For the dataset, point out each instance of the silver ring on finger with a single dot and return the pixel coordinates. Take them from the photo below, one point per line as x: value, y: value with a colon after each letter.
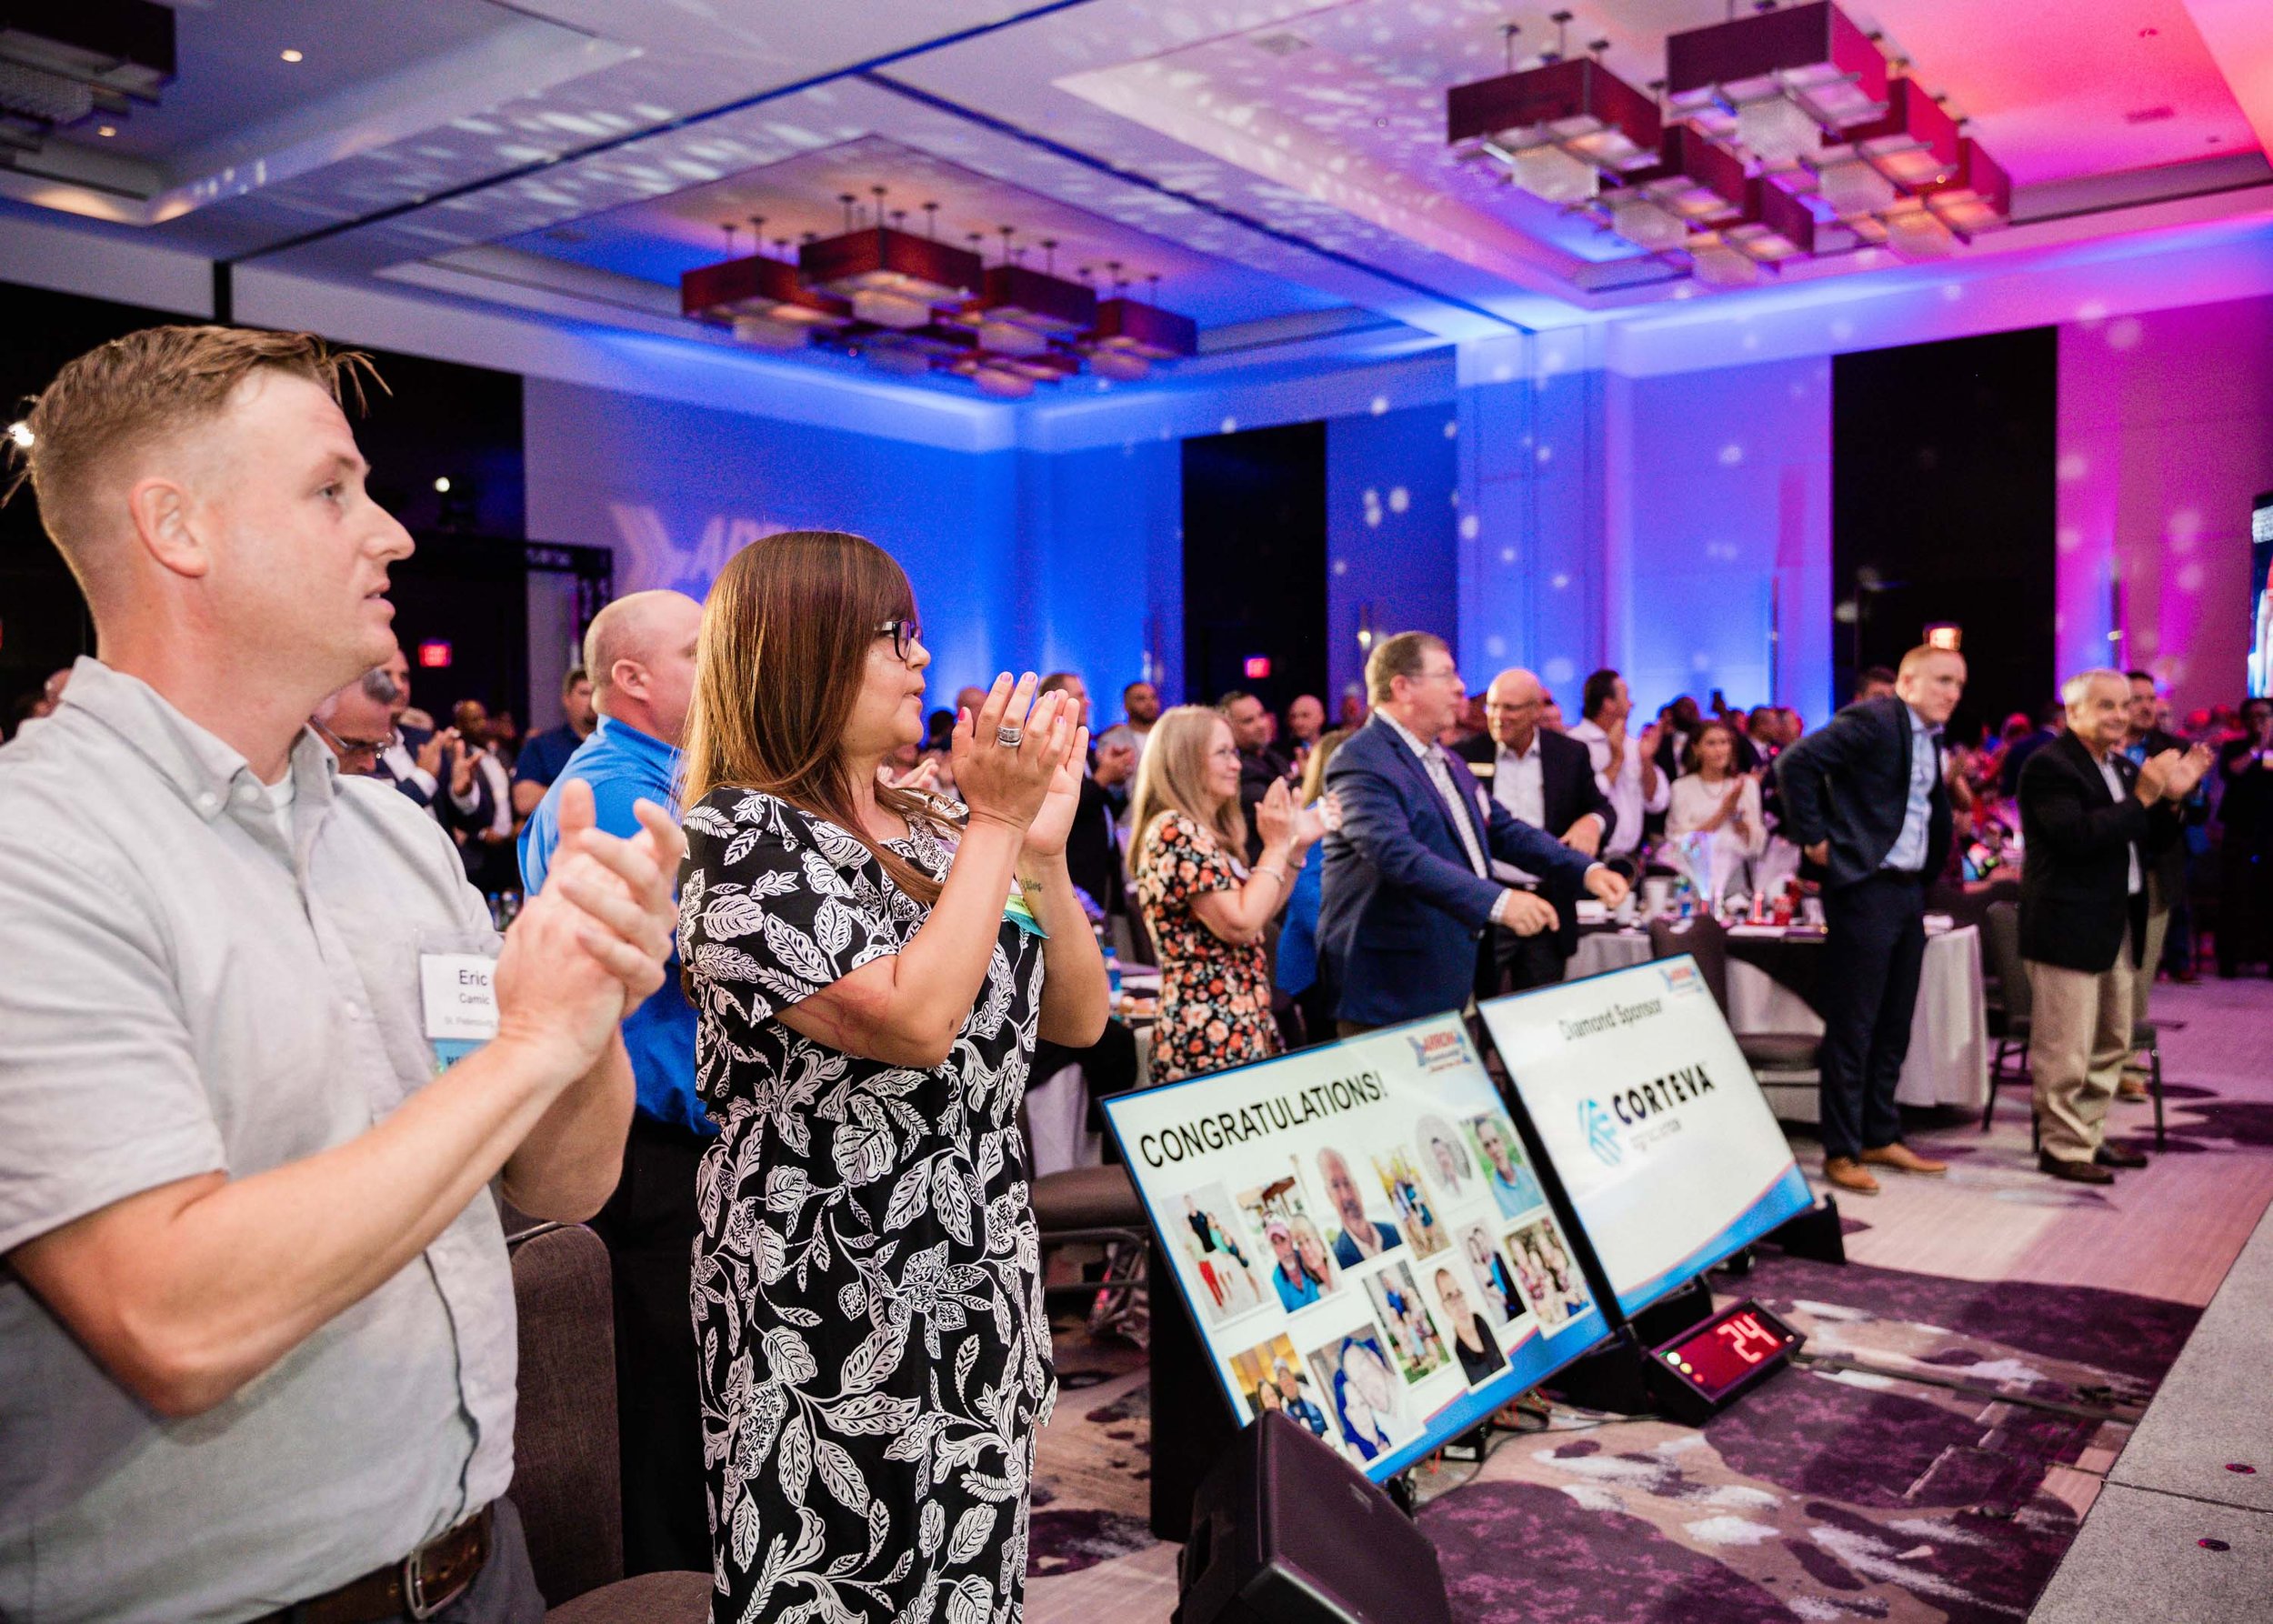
x: 1009, y: 738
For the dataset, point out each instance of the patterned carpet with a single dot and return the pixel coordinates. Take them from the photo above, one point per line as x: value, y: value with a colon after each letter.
x: 1826, y: 1495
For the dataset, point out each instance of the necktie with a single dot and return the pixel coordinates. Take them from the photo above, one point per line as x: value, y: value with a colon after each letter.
x: 1441, y: 776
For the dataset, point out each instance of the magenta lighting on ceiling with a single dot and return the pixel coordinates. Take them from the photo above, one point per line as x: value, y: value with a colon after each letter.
x: 1782, y: 135
x: 912, y: 304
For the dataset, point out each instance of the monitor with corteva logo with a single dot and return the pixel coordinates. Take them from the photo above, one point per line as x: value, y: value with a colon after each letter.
x: 1651, y: 1119
x: 1361, y: 1238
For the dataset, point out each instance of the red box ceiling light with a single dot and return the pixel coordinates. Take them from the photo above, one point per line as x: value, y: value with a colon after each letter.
x: 1773, y: 80
x: 1915, y: 147
x: 763, y: 300
x: 893, y: 278
x: 1130, y: 335
x: 1553, y: 128
x: 1693, y: 184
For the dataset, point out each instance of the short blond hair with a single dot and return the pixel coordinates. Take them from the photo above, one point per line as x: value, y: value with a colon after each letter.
x: 1401, y: 655
x: 137, y: 389
x: 1916, y: 658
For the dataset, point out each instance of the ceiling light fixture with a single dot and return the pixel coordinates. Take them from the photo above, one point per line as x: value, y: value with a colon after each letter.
x: 1556, y: 128
x: 892, y: 278
x: 289, y: 54
x: 1775, y: 80
x: 1978, y: 197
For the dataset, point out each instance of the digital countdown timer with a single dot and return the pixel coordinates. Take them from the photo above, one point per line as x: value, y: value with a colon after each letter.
x: 1706, y: 1369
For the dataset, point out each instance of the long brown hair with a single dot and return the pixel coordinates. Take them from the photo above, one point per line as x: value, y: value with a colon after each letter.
x: 785, y: 636
x: 1172, y: 777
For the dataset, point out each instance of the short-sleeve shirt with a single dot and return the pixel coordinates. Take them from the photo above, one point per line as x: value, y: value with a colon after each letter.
x: 186, y: 993
x: 1215, y: 996
x: 624, y: 766
x: 546, y: 754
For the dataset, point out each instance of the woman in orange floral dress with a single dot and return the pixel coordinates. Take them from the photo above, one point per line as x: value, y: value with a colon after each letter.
x: 1205, y: 909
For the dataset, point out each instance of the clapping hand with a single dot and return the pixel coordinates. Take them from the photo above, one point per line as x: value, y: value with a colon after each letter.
x: 2155, y: 774
x: 920, y: 779
x: 1007, y: 781
x: 1046, y: 836
x: 2187, y: 773
x: 1275, y: 816
x: 593, y: 943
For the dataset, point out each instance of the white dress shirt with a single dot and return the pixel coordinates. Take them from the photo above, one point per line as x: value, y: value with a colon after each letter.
x: 1625, y: 792
x: 1432, y: 758
x: 2115, y: 789
x: 1518, y: 784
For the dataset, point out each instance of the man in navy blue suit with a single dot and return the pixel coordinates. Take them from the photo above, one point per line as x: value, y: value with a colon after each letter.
x: 1864, y: 797
x: 1408, y: 891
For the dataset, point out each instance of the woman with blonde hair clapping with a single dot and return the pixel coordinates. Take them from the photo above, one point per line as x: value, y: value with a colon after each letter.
x: 1205, y: 909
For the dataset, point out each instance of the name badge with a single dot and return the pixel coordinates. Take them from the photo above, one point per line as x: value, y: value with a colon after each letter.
x: 460, y: 994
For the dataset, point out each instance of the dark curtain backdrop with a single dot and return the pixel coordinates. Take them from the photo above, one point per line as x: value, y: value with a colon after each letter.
x: 432, y: 420
x: 1942, y: 468
x: 1255, y: 562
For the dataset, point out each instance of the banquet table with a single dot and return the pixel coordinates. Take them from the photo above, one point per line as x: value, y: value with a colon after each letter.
x: 1947, y: 1064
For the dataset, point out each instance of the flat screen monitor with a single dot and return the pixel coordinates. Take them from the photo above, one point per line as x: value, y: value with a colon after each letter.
x: 1360, y: 1239
x: 2260, y: 598
x: 1649, y: 1115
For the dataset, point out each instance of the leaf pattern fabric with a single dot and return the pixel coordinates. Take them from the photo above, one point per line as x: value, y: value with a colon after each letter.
x: 875, y: 1360
x: 1215, y: 996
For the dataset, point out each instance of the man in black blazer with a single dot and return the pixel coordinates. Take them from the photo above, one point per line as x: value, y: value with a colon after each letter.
x: 1547, y: 781
x: 2092, y: 824
x: 1864, y: 797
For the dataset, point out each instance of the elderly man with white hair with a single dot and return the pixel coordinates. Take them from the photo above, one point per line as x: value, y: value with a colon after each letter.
x: 2092, y: 822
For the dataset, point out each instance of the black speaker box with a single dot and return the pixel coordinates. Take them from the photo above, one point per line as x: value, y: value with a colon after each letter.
x: 1287, y: 1531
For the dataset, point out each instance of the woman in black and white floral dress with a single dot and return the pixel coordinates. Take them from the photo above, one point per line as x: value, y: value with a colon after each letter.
x: 872, y: 969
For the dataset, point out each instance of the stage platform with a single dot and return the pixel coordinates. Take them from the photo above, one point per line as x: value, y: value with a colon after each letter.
x: 2177, y: 1493
x: 2016, y: 1330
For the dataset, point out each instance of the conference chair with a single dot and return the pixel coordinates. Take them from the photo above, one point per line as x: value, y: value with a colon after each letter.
x: 1093, y: 1206
x: 2007, y: 1013
x: 2146, y: 1039
x: 1775, y: 1058
x: 567, y: 1477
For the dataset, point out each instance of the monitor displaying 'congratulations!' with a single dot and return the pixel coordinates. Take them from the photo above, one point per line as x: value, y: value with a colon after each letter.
x: 1361, y: 1238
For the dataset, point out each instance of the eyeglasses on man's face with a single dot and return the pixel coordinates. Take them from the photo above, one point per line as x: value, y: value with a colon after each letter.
x: 373, y: 748
x: 905, y: 635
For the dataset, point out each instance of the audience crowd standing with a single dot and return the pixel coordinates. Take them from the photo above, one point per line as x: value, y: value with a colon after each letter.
x: 872, y: 897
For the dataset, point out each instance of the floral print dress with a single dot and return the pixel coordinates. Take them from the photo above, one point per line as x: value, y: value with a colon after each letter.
x: 1215, y: 998
x: 875, y: 1360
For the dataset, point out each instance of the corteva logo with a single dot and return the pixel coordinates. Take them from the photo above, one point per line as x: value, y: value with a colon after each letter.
x: 1645, y: 1100
x: 1601, y: 1132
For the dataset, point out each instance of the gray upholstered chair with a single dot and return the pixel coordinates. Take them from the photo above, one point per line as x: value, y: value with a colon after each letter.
x: 566, y: 1478
x: 1787, y: 1057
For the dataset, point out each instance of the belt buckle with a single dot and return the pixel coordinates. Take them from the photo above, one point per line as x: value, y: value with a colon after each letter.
x: 415, y: 1601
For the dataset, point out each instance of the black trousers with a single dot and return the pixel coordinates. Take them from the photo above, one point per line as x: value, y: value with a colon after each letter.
x: 650, y: 1225
x: 1871, y: 956
x: 1507, y: 962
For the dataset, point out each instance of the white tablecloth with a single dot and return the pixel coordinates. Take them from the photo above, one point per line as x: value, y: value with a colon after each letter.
x: 1949, y: 1059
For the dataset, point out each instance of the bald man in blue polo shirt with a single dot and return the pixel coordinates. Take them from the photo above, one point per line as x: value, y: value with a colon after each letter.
x: 640, y: 652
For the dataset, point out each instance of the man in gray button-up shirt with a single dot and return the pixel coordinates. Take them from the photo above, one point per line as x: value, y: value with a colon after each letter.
x: 257, y: 1335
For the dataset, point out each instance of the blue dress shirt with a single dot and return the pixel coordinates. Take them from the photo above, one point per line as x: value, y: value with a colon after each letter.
x: 1907, y: 854
x: 624, y: 765
x: 544, y: 755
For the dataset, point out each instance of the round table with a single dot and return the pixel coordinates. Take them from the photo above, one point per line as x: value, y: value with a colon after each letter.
x: 1947, y: 1064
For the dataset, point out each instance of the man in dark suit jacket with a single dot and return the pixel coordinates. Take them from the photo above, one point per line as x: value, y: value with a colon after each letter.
x: 1864, y: 797
x: 2092, y: 824
x: 1407, y: 891
x: 1547, y: 781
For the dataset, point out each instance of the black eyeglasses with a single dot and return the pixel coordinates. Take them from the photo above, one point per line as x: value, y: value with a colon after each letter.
x: 373, y: 748
x: 904, y: 636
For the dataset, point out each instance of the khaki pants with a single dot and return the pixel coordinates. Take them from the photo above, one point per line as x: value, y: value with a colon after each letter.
x: 2157, y: 932
x: 2079, y: 1034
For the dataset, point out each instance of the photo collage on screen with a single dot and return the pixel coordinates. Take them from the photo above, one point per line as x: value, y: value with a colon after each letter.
x: 1384, y: 1280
